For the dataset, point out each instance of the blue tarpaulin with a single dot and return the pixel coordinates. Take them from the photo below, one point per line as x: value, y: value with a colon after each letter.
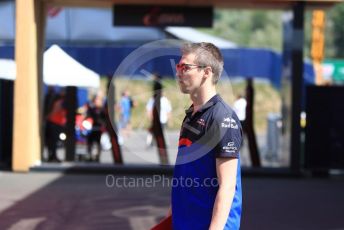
x: 239, y: 62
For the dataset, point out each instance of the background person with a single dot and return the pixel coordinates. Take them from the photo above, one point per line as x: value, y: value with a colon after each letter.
x: 239, y: 107
x: 55, y: 125
x: 125, y: 106
x: 165, y: 115
x: 96, y: 112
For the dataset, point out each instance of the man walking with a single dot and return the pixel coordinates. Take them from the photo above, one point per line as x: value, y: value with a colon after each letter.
x: 206, y: 188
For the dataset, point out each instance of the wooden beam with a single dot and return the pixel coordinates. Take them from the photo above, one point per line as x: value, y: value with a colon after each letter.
x: 243, y: 4
x: 28, y: 56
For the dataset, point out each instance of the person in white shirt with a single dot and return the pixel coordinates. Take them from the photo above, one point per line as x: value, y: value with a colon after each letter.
x: 239, y: 107
x: 165, y: 114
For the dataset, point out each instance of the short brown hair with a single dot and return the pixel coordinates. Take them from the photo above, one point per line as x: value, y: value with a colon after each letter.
x: 206, y: 54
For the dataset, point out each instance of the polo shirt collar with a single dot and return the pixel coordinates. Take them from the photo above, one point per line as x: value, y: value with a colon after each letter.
x: 212, y: 101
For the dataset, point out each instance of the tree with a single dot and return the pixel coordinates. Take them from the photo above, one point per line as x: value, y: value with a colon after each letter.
x: 250, y: 28
x: 336, y: 15
x: 263, y: 29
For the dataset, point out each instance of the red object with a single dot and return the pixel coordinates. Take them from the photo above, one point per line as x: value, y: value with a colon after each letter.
x: 165, y: 224
x: 184, y: 142
x: 58, y: 114
x: 54, y: 11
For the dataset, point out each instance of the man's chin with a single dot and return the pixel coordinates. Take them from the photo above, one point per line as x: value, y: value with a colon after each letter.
x: 184, y: 91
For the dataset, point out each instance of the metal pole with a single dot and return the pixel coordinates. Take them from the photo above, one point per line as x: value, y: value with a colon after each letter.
x: 297, y: 84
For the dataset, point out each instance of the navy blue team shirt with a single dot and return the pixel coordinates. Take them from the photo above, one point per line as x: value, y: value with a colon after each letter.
x: 213, y: 131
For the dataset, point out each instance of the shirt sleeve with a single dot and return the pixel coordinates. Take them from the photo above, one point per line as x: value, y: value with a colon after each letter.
x: 168, y: 106
x: 229, y: 134
x: 149, y: 105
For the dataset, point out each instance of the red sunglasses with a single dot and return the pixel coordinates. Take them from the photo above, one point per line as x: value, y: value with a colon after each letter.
x: 183, y: 67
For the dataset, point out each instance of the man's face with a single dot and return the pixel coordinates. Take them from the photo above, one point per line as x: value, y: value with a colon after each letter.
x: 189, y: 75
x: 98, y: 102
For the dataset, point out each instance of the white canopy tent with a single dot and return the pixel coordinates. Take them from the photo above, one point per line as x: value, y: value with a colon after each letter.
x: 193, y: 35
x: 7, y: 69
x: 59, y: 69
x: 62, y: 70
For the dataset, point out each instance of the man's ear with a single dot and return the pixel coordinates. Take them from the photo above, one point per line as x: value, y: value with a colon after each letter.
x: 207, y: 72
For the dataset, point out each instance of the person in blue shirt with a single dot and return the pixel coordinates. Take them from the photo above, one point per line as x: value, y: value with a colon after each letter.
x: 125, y: 106
x: 206, y: 185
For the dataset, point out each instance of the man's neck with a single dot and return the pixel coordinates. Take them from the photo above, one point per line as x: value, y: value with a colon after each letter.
x: 201, y: 97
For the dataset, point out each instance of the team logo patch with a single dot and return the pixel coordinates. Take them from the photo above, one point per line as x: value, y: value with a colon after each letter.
x: 230, y: 148
x: 229, y: 123
x: 201, y: 122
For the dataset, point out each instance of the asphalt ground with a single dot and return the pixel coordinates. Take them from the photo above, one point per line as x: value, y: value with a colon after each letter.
x: 45, y: 200
x: 108, y: 196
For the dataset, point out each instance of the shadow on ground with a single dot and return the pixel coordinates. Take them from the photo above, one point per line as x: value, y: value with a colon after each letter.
x: 94, y: 201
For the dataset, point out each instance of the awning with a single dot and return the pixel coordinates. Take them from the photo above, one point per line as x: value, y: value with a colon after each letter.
x: 193, y: 35
x: 59, y: 69
x: 7, y: 69
x: 62, y: 70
